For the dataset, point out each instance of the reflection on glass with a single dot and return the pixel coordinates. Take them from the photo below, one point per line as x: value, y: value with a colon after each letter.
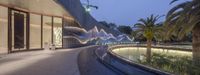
x: 35, y: 31
x: 3, y: 29
x: 57, y: 34
x: 47, y: 31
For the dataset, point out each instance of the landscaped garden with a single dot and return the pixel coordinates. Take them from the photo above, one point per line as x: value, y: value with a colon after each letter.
x: 182, y: 25
x: 168, y: 60
x: 172, y: 45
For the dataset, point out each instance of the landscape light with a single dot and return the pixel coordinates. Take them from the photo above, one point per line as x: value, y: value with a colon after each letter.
x: 87, y: 9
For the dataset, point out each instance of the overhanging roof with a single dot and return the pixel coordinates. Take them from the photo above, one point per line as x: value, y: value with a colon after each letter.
x: 45, y: 7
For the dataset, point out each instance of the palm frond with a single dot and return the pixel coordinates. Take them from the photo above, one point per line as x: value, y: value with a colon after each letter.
x: 148, y: 26
x: 182, y: 18
x: 178, y: 7
x: 173, y: 1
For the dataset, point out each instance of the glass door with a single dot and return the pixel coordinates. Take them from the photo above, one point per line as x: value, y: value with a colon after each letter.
x: 19, y: 30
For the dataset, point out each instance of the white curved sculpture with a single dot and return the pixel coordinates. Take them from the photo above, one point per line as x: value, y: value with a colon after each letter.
x: 93, y: 34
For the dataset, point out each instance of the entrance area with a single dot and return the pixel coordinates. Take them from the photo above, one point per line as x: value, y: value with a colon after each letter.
x: 19, y: 30
x: 24, y: 31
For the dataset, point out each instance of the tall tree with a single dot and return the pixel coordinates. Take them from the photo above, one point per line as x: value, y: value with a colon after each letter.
x: 184, y: 18
x: 108, y: 25
x: 148, y: 27
x: 125, y: 29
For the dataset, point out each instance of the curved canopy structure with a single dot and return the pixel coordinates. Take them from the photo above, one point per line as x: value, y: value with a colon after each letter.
x: 45, y: 7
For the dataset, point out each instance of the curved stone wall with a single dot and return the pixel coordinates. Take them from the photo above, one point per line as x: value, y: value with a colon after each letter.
x: 106, y: 56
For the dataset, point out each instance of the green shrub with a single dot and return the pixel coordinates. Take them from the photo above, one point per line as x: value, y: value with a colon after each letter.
x: 180, y: 65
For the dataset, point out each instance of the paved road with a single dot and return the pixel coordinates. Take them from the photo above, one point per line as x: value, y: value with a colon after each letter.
x: 89, y: 65
x: 59, y: 62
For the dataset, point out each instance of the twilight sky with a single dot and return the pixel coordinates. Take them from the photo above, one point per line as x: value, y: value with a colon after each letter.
x: 127, y: 12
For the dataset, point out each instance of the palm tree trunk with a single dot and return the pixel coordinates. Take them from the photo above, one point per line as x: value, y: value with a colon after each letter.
x: 196, y: 45
x: 148, y: 51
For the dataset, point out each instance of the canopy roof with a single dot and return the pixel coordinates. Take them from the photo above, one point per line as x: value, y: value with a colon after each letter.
x: 45, y: 7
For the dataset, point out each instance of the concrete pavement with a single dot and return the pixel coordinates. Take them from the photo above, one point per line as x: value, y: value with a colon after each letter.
x: 59, y: 62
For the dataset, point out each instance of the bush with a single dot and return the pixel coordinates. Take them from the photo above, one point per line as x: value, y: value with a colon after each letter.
x: 180, y: 65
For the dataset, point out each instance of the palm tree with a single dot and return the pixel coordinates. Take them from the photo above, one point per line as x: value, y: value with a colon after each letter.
x: 148, y: 28
x: 183, y: 19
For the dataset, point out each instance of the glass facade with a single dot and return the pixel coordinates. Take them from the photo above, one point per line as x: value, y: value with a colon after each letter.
x: 57, y: 32
x: 35, y: 31
x: 3, y: 29
x: 21, y: 30
x: 47, y: 31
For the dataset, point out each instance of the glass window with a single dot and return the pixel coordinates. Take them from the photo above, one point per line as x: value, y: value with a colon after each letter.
x: 19, y: 31
x: 3, y: 29
x: 35, y: 31
x: 47, y: 31
x: 57, y: 32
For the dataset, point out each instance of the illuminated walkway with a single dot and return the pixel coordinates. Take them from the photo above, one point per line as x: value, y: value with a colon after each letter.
x: 60, y: 62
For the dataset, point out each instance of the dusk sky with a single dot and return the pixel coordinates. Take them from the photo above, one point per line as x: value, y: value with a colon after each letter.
x: 127, y: 12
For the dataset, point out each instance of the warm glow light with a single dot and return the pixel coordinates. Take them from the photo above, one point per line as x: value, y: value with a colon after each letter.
x: 3, y: 20
x: 133, y: 51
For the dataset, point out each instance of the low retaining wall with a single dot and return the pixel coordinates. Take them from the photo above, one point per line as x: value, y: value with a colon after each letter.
x: 124, y: 66
x: 179, y: 49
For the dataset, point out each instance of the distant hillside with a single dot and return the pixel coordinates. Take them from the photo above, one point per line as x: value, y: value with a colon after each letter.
x: 76, y: 9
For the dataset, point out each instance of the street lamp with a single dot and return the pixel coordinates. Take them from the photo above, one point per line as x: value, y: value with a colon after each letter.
x: 87, y: 9
x: 88, y: 6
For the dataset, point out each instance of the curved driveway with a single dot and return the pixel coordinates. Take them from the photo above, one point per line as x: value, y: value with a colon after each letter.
x: 89, y: 64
